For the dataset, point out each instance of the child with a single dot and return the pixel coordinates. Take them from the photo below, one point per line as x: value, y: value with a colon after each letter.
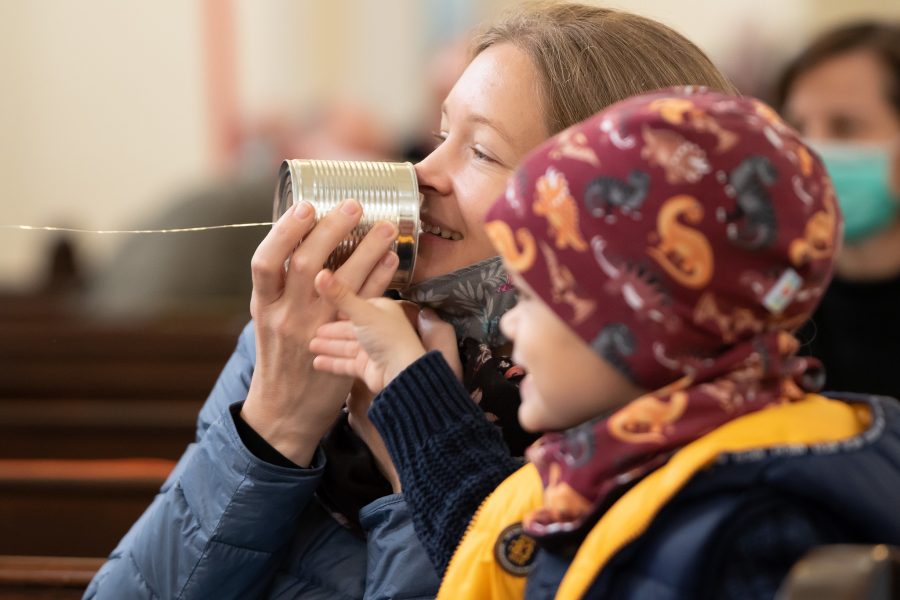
x: 664, y: 250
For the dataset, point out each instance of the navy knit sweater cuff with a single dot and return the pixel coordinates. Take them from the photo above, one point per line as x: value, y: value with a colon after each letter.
x: 448, y: 455
x: 423, y: 400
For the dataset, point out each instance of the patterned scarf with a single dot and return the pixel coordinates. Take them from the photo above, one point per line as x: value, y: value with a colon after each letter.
x: 472, y: 299
x: 684, y: 235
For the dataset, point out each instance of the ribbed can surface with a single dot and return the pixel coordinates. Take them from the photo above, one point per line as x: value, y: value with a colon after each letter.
x: 386, y: 191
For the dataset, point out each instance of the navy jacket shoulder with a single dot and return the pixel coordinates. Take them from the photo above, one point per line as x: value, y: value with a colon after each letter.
x: 736, y: 529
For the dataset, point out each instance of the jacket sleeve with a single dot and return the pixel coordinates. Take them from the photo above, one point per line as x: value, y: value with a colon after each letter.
x: 448, y: 455
x: 221, y: 521
x: 396, y: 565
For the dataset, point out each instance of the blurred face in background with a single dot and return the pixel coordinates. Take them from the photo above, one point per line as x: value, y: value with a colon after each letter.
x: 491, y: 118
x: 843, y: 99
x: 841, y: 105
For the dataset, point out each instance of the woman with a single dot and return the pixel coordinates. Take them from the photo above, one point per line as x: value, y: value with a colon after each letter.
x: 238, y: 518
x: 843, y: 94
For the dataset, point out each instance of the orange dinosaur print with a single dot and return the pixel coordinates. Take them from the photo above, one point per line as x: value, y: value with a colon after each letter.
x: 818, y: 239
x: 679, y: 111
x: 561, y: 500
x: 803, y: 158
x: 782, y: 137
x: 574, y: 145
x: 768, y: 114
x: 560, y: 209
x: 501, y: 235
x: 682, y: 251
x: 724, y: 392
x: 683, y: 161
x: 564, y: 285
x: 787, y: 343
x: 730, y: 327
x: 648, y: 419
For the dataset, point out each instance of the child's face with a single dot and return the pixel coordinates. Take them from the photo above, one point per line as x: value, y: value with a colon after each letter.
x: 567, y: 383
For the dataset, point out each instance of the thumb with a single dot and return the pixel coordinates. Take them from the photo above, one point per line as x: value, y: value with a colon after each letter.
x: 438, y: 334
x: 336, y: 292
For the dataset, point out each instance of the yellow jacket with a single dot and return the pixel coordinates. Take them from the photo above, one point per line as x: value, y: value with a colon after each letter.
x: 491, y: 560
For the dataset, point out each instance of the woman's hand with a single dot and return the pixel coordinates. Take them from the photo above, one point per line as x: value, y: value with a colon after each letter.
x: 381, y: 338
x: 289, y: 403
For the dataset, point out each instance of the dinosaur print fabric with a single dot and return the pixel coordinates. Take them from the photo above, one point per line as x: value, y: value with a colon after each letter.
x: 684, y: 235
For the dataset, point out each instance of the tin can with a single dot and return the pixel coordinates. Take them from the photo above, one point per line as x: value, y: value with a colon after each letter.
x: 387, y: 191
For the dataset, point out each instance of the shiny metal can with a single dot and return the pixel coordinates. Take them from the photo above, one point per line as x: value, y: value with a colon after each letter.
x: 387, y: 191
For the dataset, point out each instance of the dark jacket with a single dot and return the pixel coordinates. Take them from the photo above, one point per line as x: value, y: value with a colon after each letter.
x: 730, y: 528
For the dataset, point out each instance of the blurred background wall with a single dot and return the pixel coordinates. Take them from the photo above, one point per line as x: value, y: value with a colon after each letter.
x: 112, y: 113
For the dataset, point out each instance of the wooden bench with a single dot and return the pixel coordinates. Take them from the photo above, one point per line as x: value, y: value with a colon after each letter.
x: 116, y: 427
x: 73, y: 507
x: 71, y: 388
x: 37, y: 577
x: 77, y: 359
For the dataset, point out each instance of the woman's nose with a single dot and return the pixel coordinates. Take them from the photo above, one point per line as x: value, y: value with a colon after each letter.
x: 432, y: 173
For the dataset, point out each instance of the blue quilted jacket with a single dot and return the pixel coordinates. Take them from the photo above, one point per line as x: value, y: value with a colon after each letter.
x: 228, y: 525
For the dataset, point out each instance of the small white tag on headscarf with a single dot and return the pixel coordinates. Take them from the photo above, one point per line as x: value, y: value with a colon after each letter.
x: 783, y: 292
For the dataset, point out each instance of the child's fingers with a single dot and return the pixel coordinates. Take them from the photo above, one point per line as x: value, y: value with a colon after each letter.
x: 338, y: 330
x: 439, y: 335
x: 323, y: 346
x: 334, y: 290
x: 335, y: 366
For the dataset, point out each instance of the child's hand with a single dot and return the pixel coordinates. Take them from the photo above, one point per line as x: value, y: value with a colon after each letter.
x: 375, y: 344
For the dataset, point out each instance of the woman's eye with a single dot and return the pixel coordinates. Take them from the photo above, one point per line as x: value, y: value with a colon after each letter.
x: 845, y: 127
x: 477, y: 153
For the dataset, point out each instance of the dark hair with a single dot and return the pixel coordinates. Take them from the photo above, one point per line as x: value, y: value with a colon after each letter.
x: 882, y: 40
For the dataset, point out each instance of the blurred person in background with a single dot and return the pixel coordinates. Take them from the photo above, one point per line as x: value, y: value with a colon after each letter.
x: 843, y: 94
x: 258, y: 506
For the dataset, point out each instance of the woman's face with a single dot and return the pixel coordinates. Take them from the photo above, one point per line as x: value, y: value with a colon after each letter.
x: 843, y: 99
x: 567, y: 383
x: 490, y: 120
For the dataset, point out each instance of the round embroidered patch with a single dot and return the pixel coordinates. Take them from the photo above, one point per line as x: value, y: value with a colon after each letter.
x: 515, y: 550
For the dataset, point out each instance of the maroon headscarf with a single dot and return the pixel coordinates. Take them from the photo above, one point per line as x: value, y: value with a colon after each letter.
x: 684, y: 235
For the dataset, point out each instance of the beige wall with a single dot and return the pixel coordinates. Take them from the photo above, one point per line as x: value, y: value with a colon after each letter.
x: 103, y: 113
x: 101, y: 116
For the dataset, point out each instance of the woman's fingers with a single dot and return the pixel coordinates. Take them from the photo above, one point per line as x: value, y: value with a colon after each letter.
x: 367, y: 261
x: 308, y: 258
x: 267, y: 265
x: 380, y: 277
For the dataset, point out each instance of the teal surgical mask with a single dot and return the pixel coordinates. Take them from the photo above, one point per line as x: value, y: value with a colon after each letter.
x: 861, y: 177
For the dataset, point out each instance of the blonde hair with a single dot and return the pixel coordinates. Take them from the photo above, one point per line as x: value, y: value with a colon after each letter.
x: 590, y: 57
